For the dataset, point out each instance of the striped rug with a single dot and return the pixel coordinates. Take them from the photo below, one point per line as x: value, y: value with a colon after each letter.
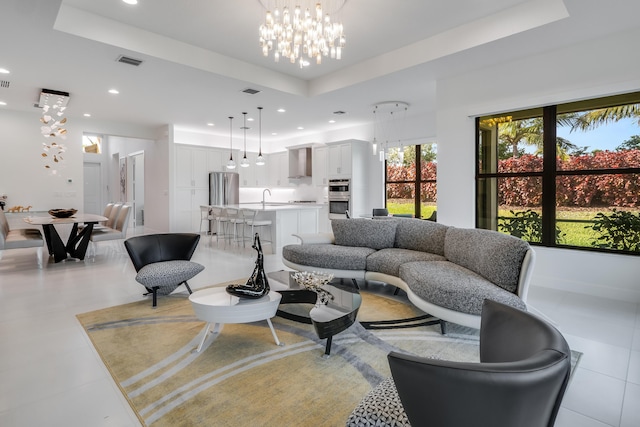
x: 241, y: 378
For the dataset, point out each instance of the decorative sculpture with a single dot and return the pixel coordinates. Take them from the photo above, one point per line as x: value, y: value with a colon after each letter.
x: 257, y: 286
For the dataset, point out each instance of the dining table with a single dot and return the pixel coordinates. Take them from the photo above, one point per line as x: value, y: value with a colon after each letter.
x: 78, y: 241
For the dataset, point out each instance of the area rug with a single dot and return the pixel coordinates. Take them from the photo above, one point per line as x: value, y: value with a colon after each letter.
x: 241, y: 377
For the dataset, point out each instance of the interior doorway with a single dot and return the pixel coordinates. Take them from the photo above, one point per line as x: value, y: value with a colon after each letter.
x: 136, y: 186
x: 92, y: 188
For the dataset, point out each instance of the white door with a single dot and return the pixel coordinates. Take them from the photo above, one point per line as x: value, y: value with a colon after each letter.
x: 137, y: 188
x: 93, y: 188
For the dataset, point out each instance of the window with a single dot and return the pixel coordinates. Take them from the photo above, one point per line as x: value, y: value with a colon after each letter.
x: 411, y: 185
x: 563, y: 175
x: 92, y: 144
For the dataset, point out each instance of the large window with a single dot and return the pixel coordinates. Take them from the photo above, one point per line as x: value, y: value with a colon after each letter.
x: 563, y: 175
x: 411, y: 184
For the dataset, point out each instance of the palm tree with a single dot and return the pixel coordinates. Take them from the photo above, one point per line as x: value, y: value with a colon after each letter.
x: 591, y: 119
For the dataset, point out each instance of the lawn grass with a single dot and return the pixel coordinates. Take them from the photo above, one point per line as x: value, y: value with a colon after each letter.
x: 400, y: 207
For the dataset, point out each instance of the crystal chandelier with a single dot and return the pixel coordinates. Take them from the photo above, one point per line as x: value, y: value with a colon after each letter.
x: 302, y: 35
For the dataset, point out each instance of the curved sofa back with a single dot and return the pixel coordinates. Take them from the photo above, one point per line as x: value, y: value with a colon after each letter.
x: 495, y: 256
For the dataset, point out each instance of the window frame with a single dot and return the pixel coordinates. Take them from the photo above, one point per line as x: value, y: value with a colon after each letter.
x: 417, y: 183
x: 550, y: 171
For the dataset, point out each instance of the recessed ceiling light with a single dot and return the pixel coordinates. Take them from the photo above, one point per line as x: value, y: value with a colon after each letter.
x: 87, y: 115
x: 332, y: 121
x: 250, y: 119
x: 300, y: 128
x: 274, y: 133
x: 281, y: 110
x: 3, y: 103
x: 4, y: 71
x: 114, y: 91
x: 210, y: 124
x: 130, y: 1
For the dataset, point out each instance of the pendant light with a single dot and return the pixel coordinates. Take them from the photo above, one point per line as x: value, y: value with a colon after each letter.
x: 260, y: 159
x: 244, y: 162
x: 231, y: 164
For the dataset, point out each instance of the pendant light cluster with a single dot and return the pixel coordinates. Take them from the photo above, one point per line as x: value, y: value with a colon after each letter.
x: 260, y: 161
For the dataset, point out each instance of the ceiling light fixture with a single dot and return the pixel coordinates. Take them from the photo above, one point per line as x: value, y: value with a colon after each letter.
x: 292, y: 33
x: 231, y: 164
x: 260, y: 159
x: 389, y: 118
x: 244, y: 162
x: 114, y: 91
x: 130, y: 1
x: 4, y: 71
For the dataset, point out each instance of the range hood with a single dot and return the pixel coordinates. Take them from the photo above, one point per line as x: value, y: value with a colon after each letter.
x: 300, y: 162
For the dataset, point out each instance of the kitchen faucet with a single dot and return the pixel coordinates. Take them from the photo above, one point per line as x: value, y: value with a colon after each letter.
x: 264, y: 191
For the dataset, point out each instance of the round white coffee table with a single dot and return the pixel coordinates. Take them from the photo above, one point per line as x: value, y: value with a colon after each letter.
x: 215, y: 305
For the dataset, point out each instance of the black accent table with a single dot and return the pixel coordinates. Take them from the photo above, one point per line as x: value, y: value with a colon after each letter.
x: 327, y: 319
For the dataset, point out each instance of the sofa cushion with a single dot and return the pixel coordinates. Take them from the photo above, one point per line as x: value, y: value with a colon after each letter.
x: 454, y: 287
x: 495, y: 256
x: 328, y: 256
x: 420, y: 235
x: 362, y: 232
x: 388, y: 261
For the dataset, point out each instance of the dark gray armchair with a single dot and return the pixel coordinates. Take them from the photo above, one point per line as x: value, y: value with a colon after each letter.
x: 520, y: 381
x: 163, y: 261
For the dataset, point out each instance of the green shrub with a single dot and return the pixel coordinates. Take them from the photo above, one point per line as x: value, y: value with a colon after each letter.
x: 526, y: 225
x: 619, y: 230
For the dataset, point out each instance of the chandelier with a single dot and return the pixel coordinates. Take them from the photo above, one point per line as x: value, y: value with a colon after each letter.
x: 300, y: 35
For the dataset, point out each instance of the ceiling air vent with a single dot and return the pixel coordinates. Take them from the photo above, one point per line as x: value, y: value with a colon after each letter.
x: 4, y: 83
x: 129, y: 60
x: 251, y: 91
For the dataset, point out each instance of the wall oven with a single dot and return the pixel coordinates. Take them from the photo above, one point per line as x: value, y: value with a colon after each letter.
x: 339, y: 198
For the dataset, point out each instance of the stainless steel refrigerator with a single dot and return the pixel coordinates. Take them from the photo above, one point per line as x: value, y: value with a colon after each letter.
x: 224, y: 188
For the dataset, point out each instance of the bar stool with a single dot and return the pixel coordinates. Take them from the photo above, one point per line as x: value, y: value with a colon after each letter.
x: 205, y: 216
x: 222, y: 222
x: 252, y: 220
x: 236, y: 219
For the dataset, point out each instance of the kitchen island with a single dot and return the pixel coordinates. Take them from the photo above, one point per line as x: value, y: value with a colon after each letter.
x: 287, y: 219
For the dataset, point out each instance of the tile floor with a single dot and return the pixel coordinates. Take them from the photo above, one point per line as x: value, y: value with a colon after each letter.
x: 51, y: 376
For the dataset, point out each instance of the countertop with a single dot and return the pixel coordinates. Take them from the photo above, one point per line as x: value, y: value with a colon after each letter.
x: 274, y: 206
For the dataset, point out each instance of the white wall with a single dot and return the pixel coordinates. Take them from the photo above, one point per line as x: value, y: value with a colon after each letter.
x: 23, y: 177
x: 26, y: 182
x: 587, y: 70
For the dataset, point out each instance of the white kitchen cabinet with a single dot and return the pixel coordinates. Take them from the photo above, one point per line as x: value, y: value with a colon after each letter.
x: 320, y: 167
x: 278, y: 165
x: 191, y: 189
x: 290, y: 222
x: 352, y: 160
x: 340, y: 161
x: 253, y: 175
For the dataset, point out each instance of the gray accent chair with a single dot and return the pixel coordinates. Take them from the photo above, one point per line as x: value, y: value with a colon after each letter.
x: 163, y: 261
x: 521, y: 379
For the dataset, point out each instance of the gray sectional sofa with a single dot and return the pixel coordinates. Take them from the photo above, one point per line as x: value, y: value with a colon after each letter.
x: 446, y: 271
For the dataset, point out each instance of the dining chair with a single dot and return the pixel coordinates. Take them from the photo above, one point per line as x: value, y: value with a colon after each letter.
x: 380, y: 212
x: 118, y: 232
